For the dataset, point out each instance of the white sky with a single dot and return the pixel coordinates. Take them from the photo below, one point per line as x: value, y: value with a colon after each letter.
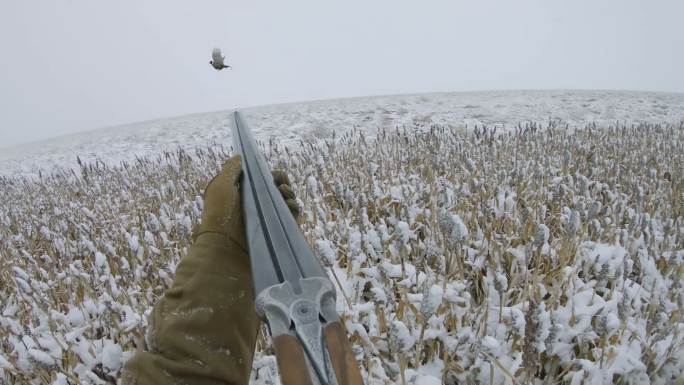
x: 73, y: 65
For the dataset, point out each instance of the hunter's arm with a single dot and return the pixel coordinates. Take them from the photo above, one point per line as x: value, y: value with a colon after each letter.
x: 204, y: 329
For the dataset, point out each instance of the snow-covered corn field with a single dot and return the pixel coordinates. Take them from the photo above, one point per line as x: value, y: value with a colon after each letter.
x: 542, y: 255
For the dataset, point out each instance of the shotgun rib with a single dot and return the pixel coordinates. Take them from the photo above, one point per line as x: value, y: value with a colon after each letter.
x: 293, y: 293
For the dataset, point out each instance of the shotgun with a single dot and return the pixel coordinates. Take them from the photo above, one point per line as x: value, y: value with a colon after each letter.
x: 293, y: 293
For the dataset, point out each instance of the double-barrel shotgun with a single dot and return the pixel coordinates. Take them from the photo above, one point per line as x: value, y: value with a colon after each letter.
x: 293, y: 293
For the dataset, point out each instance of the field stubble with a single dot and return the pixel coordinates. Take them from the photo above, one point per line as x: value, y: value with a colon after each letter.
x: 539, y: 255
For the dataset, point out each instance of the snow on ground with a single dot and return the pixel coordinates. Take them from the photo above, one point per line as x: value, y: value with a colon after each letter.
x: 289, y: 122
x: 544, y: 256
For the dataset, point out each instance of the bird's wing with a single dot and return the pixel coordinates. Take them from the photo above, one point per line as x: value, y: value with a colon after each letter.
x: 216, y: 56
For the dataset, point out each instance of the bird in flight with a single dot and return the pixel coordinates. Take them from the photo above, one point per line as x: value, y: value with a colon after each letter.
x: 217, y: 60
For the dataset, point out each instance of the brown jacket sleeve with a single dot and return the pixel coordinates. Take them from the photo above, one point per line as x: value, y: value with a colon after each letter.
x: 203, y: 330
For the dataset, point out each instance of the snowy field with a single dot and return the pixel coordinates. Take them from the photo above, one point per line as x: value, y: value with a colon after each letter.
x: 290, y: 122
x: 544, y: 254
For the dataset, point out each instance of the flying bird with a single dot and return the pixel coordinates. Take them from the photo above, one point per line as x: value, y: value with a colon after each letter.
x: 217, y: 60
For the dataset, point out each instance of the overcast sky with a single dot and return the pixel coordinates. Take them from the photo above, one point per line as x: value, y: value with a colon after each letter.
x: 73, y: 65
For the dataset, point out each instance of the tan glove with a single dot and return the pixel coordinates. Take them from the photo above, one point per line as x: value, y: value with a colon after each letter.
x: 203, y: 331
x: 222, y: 207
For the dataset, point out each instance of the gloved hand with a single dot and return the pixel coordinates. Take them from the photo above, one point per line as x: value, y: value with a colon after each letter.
x: 283, y: 182
x: 188, y: 341
x: 222, y: 208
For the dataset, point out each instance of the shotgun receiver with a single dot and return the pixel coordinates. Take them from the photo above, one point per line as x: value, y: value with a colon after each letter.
x: 293, y: 293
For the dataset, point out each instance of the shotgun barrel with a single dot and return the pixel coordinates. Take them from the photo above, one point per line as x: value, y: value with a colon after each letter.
x: 293, y: 292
